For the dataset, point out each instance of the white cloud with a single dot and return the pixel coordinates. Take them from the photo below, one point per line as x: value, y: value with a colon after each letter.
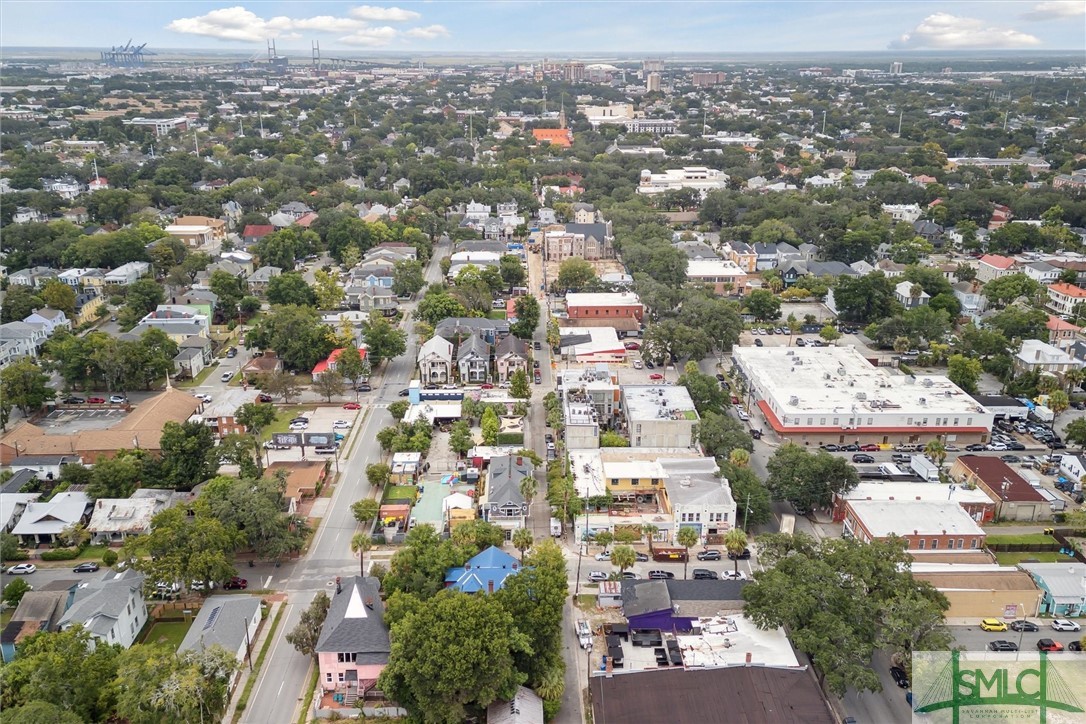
x: 950, y: 32
x: 388, y: 15
x: 239, y: 24
x: 430, y: 32
x: 1056, y: 10
x: 371, y: 37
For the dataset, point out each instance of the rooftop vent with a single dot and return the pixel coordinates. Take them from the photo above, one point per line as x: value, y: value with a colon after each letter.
x: 793, y: 400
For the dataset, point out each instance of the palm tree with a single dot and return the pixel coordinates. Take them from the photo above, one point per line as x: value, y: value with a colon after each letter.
x: 794, y: 325
x: 624, y: 557
x: 1073, y: 378
x: 1058, y: 402
x: 739, y: 457
x: 687, y: 538
x: 936, y: 450
x: 775, y: 284
x: 360, y: 543
x: 528, y: 488
x: 522, y: 541
x: 649, y: 531
x: 735, y: 541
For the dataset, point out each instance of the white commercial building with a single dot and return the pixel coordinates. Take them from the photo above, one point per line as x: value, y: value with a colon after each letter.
x: 659, y: 416
x: 699, y: 178
x: 723, y: 275
x: 815, y: 395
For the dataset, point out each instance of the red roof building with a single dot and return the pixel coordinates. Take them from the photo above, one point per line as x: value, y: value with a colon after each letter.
x: 330, y: 363
x: 256, y: 232
x: 555, y: 136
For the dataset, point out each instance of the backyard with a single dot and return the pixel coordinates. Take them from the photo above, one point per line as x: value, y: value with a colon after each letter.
x: 171, y: 632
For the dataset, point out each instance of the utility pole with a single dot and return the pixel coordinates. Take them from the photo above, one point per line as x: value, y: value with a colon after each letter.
x: 900, y: 118
x: 196, y: 140
x: 824, y: 124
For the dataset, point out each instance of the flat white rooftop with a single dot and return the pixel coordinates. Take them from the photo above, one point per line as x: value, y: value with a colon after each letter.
x: 658, y: 402
x: 700, y: 268
x: 727, y: 640
x: 602, y: 299
x: 900, y: 517
x: 643, y: 469
x: 839, y: 380
x: 906, y: 491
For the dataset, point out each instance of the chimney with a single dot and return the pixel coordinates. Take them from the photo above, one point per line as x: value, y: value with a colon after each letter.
x: 749, y: 658
x: 490, y: 586
x: 520, y: 460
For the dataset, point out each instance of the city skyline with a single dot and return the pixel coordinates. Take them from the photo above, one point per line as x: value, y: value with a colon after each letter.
x: 555, y: 27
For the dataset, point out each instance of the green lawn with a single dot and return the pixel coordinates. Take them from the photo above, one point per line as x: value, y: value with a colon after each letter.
x: 200, y: 378
x: 1027, y: 539
x: 495, y: 314
x: 400, y: 492
x: 172, y: 632
x: 1011, y: 559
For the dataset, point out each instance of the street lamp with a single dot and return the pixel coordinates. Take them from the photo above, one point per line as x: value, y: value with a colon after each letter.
x: 1004, y: 486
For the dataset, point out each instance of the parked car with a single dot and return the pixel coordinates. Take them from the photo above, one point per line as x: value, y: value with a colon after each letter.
x: 1049, y: 645
x: 733, y: 575
x: 637, y: 364
x: 851, y: 447
x: 745, y: 555
x: 22, y: 569
x: 117, y: 399
x: 364, y: 387
x: 656, y: 376
x: 649, y: 365
x: 719, y: 377
x: 597, y: 576
x: 704, y: 574
x: 404, y: 392
x: 862, y: 458
x: 1074, y: 646
x: 993, y: 624
x: 538, y: 378
x: 1023, y: 625
x: 758, y: 343
x: 352, y: 406
x: 273, y: 446
x: 263, y: 397
x: 231, y: 353
x: 341, y: 425
x: 235, y: 583
x: 227, y: 376
x: 1010, y: 458
x: 641, y: 557
x: 708, y: 555
x: 742, y: 415
x: 1062, y: 624
x: 74, y: 400
x: 1002, y: 645
x: 88, y: 567
x: 326, y: 449
x: 631, y: 576
x: 975, y: 447
x: 299, y: 426
x: 899, y: 676
x: 660, y: 575
x: 870, y: 447
x: 830, y: 447
x: 632, y: 345
x: 603, y: 556
x: 537, y: 345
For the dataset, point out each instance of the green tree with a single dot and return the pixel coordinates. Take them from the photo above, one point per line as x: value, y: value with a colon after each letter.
x: 528, y: 488
x: 1075, y: 432
x: 365, y: 509
x: 518, y: 385
x: 688, y: 538
x: 296, y: 333
x: 40, y: 712
x: 1058, y: 402
x: 720, y: 434
x: 290, y: 288
x: 229, y: 289
x: 575, y: 274
x: 512, y: 272
x: 764, y: 305
x: 453, y: 626
x: 527, y: 311
x: 183, y: 548
x: 407, y: 277
x: 460, y: 439
x: 305, y: 635
x: 829, y: 333
x: 156, y: 684
x: 705, y: 391
x: 735, y: 542
x: 329, y: 384
x: 19, y: 303
x: 419, y: 566
x: 281, y: 384
x: 58, y: 295
x: 398, y: 409
x: 24, y: 385
x: 609, y: 438
x: 1004, y: 290
x: 522, y: 541
x: 866, y: 298
x: 477, y: 535
x: 383, y: 341
x: 378, y: 474
x: 624, y: 557
x: 327, y: 290
x: 755, y: 505
x: 437, y: 304
x: 360, y: 544
x: 116, y: 477
x: 808, y: 480
x: 490, y: 427
x: 255, y: 417
x: 14, y: 592
x: 350, y: 363
x: 843, y: 599
x: 188, y: 455
x: 964, y: 372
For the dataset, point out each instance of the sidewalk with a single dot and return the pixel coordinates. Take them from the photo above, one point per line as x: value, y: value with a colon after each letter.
x: 255, y: 647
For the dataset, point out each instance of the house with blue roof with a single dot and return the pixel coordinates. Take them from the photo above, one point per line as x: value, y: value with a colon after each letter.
x: 485, y: 572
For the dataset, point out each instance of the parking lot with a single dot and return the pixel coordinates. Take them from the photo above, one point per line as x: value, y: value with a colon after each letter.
x: 720, y: 568
x: 321, y: 420
x: 72, y: 420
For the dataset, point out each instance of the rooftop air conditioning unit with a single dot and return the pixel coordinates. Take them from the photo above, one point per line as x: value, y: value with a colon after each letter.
x: 927, y: 382
x: 793, y: 400
x: 861, y: 395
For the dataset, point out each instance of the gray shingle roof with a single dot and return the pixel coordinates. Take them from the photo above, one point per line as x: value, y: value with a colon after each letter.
x: 100, y: 604
x: 355, y: 622
x: 221, y: 621
x: 504, y: 476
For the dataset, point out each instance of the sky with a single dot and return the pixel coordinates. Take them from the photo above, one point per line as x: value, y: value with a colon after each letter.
x: 560, y: 27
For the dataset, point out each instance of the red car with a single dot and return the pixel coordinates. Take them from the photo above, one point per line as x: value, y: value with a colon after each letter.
x: 735, y: 400
x: 486, y: 386
x: 96, y: 400
x: 870, y: 447
x: 656, y: 376
x: 632, y: 345
x: 262, y: 397
x: 352, y: 406
x: 236, y: 583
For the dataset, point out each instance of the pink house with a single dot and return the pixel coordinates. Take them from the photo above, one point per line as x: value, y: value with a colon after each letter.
x: 353, y: 647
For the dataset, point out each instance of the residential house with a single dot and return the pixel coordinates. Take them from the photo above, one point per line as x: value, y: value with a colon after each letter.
x: 37, y: 611
x: 197, y: 231
x: 111, y: 608
x: 890, y: 269
x: 128, y: 273
x: 1037, y: 356
x: 510, y: 355
x: 929, y: 231
x: 1079, y: 267
x: 435, y: 360
x: 228, y: 621
x: 43, y: 522
x: 1063, y: 298
x: 266, y: 363
x: 526, y: 707
x: 295, y: 209
x: 723, y: 276
x: 742, y: 255
x: 113, y: 520
x: 1042, y: 272
x: 911, y: 295
x: 371, y: 299
x: 50, y: 319
x: 28, y: 215
x: 329, y: 363
x: 483, y: 573
x: 77, y: 215
x: 1061, y: 334
x: 258, y: 281
x: 909, y: 213
x: 27, y: 338
x: 67, y: 187
x: 973, y: 302
x: 456, y: 328
x: 562, y: 137
x: 202, y: 300
x: 473, y: 360
x: 353, y: 647
x: 994, y: 266
x: 503, y: 504
x: 35, y: 276
x: 189, y: 362
x: 177, y: 316
x: 766, y: 256
x: 232, y: 213
x: 253, y: 233
x: 88, y: 306
x: 74, y: 277
x: 1062, y: 586
x: 1015, y: 499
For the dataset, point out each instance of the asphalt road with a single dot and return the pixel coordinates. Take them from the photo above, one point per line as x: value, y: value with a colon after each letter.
x: 283, y: 676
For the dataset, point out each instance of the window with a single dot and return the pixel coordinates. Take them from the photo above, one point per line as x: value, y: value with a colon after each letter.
x: 968, y: 421
x: 961, y: 543
x: 973, y: 543
x: 920, y: 544
x: 328, y: 677
x: 635, y: 481
x: 956, y: 420
x: 821, y: 421
x: 870, y: 421
x: 614, y: 481
x: 836, y: 421
x: 341, y: 677
x: 934, y: 544
x: 909, y: 421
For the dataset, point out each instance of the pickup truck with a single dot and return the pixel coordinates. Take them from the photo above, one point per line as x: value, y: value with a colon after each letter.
x: 584, y: 633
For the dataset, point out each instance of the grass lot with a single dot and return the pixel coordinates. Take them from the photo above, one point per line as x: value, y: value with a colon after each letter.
x: 1011, y: 559
x: 200, y: 378
x: 5, y: 616
x: 282, y: 422
x: 173, y: 632
x: 400, y: 492
x: 496, y: 314
x: 1027, y: 539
